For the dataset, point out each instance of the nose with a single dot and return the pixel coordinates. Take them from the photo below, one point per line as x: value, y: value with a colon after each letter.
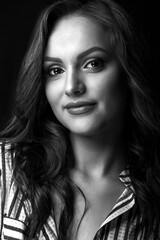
x: 75, y: 85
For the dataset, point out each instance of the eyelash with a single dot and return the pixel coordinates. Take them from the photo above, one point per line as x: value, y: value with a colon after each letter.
x: 101, y: 63
x: 53, y: 69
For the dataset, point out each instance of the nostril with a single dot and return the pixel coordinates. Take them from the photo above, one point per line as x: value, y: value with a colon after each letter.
x: 77, y: 89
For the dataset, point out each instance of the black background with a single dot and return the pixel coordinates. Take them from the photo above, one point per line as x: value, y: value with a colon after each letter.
x: 16, y: 25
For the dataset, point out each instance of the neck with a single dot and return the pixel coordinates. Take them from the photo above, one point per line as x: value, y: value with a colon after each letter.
x: 98, y: 156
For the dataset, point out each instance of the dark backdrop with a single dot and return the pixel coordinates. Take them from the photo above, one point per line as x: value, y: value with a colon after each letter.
x: 16, y: 25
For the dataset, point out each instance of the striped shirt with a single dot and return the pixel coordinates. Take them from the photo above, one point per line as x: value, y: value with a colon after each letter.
x: 14, y: 210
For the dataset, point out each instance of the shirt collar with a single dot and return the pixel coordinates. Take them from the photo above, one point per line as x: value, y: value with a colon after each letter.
x: 125, y: 178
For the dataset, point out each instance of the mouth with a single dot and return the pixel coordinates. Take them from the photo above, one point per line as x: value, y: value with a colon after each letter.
x: 80, y: 107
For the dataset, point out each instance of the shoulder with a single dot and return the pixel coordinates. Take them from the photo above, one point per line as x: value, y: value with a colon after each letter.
x: 12, y: 212
x: 6, y: 162
x: 5, y: 176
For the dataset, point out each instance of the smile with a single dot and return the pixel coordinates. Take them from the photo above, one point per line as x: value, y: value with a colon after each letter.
x: 80, y: 107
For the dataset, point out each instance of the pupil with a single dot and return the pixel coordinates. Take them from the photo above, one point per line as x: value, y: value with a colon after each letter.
x: 56, y: 71
x: 95, y: 64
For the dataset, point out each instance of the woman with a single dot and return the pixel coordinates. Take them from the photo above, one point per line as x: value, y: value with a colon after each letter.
x: 80, y: 157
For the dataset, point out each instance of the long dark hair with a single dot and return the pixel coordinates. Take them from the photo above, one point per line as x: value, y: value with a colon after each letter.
x: 41, y: 144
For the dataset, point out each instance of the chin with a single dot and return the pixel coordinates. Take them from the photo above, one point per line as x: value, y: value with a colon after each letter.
x: 85, y: 126
x: 85, y: 130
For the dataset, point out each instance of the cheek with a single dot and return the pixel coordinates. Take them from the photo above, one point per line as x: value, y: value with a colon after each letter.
x: 108, y: 83
x: 116, y: 98
x: 111, y: 90
x: 52, y: 94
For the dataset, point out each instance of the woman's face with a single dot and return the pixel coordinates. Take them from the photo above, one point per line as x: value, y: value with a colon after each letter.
x: 83, y: 84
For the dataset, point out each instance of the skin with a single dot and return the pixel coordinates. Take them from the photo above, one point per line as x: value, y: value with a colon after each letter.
x: 100, y: 84
x: 80, y: 65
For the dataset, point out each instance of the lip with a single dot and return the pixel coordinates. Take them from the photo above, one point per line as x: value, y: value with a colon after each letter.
x: 79, y: 104
x: 80, y: 107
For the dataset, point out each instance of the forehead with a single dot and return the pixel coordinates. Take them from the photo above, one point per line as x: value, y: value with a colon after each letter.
x: 75, y: 33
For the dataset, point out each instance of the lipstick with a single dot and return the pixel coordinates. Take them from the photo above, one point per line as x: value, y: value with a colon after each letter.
x: 80, y: 107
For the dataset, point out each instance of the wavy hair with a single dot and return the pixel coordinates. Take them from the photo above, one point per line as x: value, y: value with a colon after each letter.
x: 40, y: 142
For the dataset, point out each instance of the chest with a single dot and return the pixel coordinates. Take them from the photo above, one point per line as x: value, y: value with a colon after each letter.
x: 91, y: 211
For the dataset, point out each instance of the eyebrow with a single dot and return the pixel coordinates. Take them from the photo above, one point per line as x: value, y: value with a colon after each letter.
x: 90, y: 50
x: 52, y: 59
x: 80, y: 56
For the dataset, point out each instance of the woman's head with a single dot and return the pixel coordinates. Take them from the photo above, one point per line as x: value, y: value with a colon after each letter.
x: 31, y: 98
x: 82, y: 77
x: 32, y: 107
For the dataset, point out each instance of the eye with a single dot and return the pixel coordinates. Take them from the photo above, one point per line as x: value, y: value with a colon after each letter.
x: 53, y: 71
x: 95, y: 64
